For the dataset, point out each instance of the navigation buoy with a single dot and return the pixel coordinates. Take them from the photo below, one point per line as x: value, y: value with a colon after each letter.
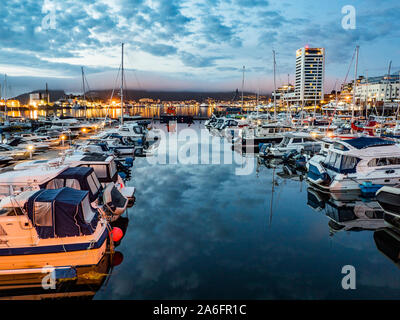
x: 116, y: 234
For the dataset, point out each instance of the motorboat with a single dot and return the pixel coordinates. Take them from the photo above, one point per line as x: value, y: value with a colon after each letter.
x: 34, y: 138
x: 350, y: 163
x: 108, y: 200
x: 72, y: 124
x: 5, y: 160
x: 50, y: 228
x: 300, y: 142
x: 121, y: 146
x: 35, y: 145
x: 210, y: 122
x: 106, y: 168
x: 104, y: 198
x: 14, y: 153
x: 78, y: 282
x: 267, y: 133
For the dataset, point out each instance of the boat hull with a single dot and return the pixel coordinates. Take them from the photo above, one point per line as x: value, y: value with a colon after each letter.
x: 76, y: 254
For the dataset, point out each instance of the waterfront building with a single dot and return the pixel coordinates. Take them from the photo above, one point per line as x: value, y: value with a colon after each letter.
x: 310, y: 73
x: 378, y: 89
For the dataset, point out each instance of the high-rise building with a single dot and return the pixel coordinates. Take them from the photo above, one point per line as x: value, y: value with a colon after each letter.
x: 310, y: 72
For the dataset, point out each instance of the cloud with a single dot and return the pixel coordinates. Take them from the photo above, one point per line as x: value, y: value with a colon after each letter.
x: 197, y: 61
x: 215, y: 31
x: 206, y: 39
x: 158, y: 49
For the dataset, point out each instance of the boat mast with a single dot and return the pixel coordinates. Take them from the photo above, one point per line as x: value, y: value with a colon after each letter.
x: 5, y: 97
x: 243, y: 87
x: 287, y: 100
x: 273, y: 53
x: 366, y: 100
x: 122, y: 84
x: 386, y: 87
x: 355, y: 84
x: 84, y: 91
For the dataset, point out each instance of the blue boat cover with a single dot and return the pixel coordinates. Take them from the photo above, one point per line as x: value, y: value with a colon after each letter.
x: 365, y: 142
x: 81, y: 175
x: 59, y: 213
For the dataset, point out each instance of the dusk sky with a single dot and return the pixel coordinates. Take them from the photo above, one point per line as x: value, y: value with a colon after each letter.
x: 189, y: 45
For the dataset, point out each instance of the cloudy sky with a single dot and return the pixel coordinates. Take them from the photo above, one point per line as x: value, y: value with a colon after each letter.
x: 188, y: 44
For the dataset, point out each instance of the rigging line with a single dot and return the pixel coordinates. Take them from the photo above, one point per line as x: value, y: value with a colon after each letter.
x: 112, y: 93
x: 134, y: 73
x: 351, y: 63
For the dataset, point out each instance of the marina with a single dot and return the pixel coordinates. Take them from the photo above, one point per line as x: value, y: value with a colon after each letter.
x: 199, y: 159
x: 181, y: 244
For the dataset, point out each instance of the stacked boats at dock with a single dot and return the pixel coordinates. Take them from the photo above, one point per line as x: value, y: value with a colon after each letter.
x: 338, y: 153
x: 59, y: 212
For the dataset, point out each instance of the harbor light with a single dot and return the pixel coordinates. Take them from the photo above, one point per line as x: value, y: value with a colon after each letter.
x: 30, y: 149
x: 63, y: 137
x: 314, y: 134
x: 84, y: 130
x: 329, y: 134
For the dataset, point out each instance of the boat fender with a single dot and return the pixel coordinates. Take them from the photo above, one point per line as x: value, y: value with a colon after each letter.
x: 116, y: 234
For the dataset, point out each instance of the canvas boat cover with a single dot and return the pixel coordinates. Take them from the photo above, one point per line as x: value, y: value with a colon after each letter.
x: 62, y: 212
x: 365, y: 142
x: 81, y: 178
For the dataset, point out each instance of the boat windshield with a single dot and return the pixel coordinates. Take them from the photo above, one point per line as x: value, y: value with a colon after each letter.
x: 341, y: 163
x: 113, y: 168
x: 284, y: 142
x: 379, y: 162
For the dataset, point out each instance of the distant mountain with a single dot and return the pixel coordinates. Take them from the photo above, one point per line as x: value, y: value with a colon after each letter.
x: 54, y: 95
x: 167, y: 95
x: 105, y: 95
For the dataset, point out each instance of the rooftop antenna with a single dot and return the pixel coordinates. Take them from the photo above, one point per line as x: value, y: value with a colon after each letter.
x: 122, y: 84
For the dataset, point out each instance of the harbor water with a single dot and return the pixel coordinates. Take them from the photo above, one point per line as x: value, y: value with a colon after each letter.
x: 201, y: 231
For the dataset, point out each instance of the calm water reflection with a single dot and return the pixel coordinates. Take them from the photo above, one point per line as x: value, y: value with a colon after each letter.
x: 200, y: 231
x: 114, y: 113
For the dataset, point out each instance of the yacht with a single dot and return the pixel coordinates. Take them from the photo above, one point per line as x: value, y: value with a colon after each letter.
x: 109, y: 201
x: 300, y: 142
x: 36, y: 145
x: 210, y: 122
x: 72, y: 124
x: 350, y: 163
x: 336, y: 106
x: 104, y: 166
x: 34, y: 138
x: 267, y: 133
x: 14, y: 153
x: 54, y: 228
